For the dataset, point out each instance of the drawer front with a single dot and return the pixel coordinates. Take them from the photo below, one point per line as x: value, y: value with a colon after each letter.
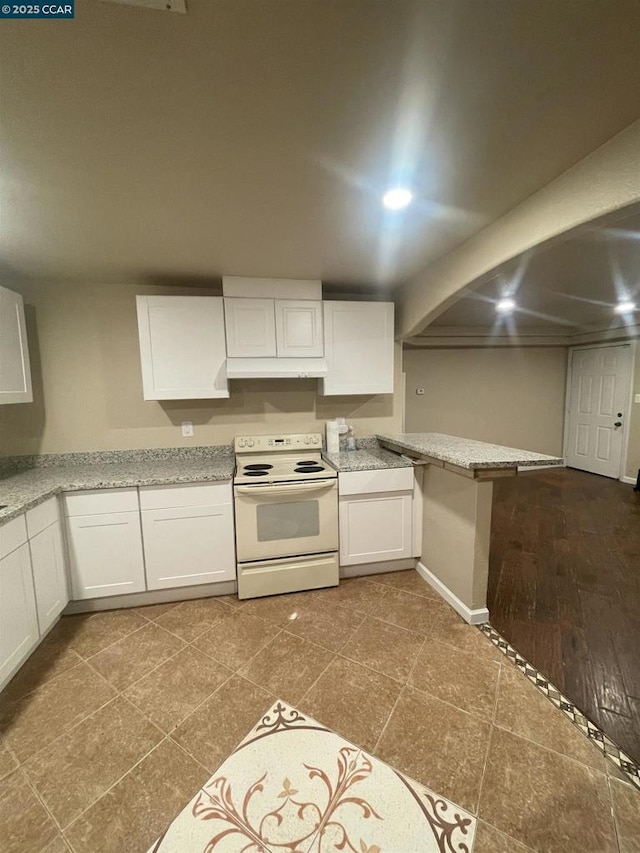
x: 191, y: 495
x: 99, y: 501
x: 13, y: 534
x: 42, y: 516
x: 370, y: 482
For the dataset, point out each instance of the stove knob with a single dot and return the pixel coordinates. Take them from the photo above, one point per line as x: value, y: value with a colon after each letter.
x: 307, y: 439
x: 315, y: 439
x: 251, y: 442
x: 241, y: 442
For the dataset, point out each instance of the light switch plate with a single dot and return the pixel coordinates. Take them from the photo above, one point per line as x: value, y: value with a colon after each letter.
x: 187, y: 429
x: 636, y: 399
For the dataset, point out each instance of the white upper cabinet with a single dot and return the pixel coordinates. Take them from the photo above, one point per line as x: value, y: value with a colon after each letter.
x: 182, y: 347
x: 358, y: 346
x: 251, y: 328
x: 299, y: 328
x: 15, y: 370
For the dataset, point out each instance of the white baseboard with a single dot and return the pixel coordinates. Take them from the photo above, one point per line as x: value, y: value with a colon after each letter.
x: 473, y: 617
x: 156, y: 596
x: 377, y: 568
x: 630, y: 480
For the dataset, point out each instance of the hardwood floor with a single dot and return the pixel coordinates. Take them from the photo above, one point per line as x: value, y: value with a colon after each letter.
x: 564, y: 589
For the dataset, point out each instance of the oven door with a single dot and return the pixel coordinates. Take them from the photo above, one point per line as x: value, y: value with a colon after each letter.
x: 288, y: 519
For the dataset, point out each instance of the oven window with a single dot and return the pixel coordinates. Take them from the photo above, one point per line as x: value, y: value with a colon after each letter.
x: 290, y: 520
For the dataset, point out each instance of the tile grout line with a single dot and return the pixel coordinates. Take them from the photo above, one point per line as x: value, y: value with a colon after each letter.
x: 400, y: 692
x: 117, y: 781
x: 492, y: 725
x: 613, y: 815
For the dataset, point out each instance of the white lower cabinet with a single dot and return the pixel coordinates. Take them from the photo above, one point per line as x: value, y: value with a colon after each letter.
x: 49, y: 575
x: 48, y: 562
x: 188, y: 534
x: 105, y: 544
x: 18, y: 620
x: 375, y: 515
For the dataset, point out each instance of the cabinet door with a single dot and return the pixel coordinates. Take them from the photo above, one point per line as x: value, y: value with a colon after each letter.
x: 185, y: 546
x: 18, y: 621
x: 358, y: 347
x: 299, y: 328
x: 49, y: 574
x: 375, y: 527
x: 251, y: 328
x: 182, y: 347
x: 15, y: 370
x: 105, y: 555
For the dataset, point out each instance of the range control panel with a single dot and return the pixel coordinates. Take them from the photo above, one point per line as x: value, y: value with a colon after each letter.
x: 271, y: 443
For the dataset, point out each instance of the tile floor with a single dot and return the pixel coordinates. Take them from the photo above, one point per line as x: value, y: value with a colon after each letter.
x: 119, y: 717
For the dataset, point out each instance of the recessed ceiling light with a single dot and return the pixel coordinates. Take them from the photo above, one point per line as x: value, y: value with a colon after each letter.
x: 397, y: 198
x: 625, y: 307
x: 505, y: 306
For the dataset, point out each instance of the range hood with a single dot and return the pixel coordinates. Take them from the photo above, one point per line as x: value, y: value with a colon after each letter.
x: 275, y: 368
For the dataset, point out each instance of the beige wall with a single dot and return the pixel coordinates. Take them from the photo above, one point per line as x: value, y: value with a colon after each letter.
x: 88, y: 386
x: 633, y: 454
x: 513, y: 396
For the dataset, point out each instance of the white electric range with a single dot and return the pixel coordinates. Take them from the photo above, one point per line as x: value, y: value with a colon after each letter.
x: 286, y: 505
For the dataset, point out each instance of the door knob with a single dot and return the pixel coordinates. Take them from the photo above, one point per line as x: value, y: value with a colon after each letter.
x: 618, y: 423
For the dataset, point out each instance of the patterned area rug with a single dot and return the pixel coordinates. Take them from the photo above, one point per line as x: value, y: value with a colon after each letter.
x: 293, y: 786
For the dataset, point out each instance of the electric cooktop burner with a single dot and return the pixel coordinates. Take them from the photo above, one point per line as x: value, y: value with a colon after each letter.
x: 255, y: 473
x: 306, y: 462
x: 307, y: 468
x: 258, y: 466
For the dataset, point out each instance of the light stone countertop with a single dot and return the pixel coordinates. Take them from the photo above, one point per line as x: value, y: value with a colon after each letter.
x: 371, y: 458
x: 25, y: 489
x: 464, y: 452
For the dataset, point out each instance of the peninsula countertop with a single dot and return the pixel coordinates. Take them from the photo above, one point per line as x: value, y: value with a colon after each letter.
x: 26, y: 488
x: 464, y: 452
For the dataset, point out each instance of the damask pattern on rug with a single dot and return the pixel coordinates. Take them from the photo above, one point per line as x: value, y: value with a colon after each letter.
x: 293, y: 786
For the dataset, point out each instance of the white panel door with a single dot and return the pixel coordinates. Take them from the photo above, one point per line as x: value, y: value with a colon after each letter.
x: 105, y: 555
x: 299, y: 328
x: 18, y: 621
x: 358, y: 347
x: 185, y: 546
x: 15, y: 369
x: 49, y: 574
x: 182, y: 347
x: 251, y: 328
x: 375, y: 528
x: 598, y: 403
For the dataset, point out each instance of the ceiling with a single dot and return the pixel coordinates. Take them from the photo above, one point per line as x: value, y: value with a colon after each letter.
x: 251, y: 137
x: 567, y: 286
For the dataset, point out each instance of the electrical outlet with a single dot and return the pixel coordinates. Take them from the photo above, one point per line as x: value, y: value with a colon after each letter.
x: 420, y: 392
x: 636, y: 399
x: 187, y: 429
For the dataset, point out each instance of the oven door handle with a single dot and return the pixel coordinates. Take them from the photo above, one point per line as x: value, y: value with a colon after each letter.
x: 267, y: 490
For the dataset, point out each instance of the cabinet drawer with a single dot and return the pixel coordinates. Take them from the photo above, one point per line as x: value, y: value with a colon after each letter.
x: 200, y: 494
x: 13, y: 534
x: 370, y: 482
x: 98, y: 501
x: 42, y: 516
